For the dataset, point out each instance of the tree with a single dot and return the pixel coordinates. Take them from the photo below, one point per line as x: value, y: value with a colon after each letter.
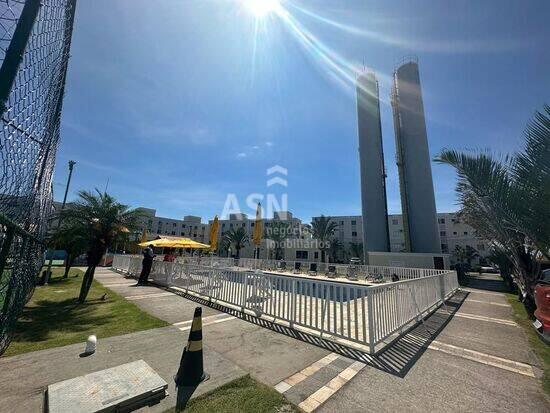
x: 238, y: 238
x: 356, y: 249
x: 323, y: 229
x: 102, y: 219
x: 223, y: 245
x: 465, y: 255
x: 72, y: 238
x: 278, y: 232
x: 506, y: 200
x: 336, y: 246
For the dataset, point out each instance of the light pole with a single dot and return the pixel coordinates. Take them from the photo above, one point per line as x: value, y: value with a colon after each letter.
x: 49, y: 270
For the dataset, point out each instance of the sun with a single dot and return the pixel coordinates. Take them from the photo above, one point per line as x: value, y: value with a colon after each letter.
x: 261, y: 8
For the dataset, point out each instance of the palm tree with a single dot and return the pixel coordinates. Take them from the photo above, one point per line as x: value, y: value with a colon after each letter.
x: 238, y: 238
x: 102, y: 219
x: 356, y: 249
x: 278, y: 232
x: 465, y: 255
x: 336, y: 246
x: 323, y: 230
x: 507, y: 200
x: 71, y: 238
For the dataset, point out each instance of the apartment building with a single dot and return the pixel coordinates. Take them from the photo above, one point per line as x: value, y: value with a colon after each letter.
x: 190, y: 226
x: 452, y: 232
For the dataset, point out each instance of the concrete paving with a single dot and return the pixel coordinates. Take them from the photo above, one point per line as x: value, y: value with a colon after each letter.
x: 461, y: 381
x: 268, y: 356
x: 24, y: 378
x: 469, y: 366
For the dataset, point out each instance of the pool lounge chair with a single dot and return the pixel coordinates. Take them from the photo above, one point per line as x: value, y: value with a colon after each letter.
x: 331, y: 273
x: 312, y: 268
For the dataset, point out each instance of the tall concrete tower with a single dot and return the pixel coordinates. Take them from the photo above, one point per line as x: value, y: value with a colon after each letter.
x: 371, y: 160
x: 413, y: 162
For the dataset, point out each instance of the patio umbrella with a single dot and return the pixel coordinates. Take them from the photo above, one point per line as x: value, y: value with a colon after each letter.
x: 257, y: 235
x: 214, y: 234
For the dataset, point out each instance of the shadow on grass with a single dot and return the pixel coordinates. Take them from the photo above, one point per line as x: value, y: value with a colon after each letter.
x: 49, y: 318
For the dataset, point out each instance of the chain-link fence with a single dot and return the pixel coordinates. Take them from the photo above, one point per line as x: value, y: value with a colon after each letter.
x: 35, y: 37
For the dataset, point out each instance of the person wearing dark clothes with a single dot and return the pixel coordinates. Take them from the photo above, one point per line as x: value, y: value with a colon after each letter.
x: 147, y: 263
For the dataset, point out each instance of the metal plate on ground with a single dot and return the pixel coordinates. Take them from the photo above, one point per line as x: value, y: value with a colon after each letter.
x: 122, y: 388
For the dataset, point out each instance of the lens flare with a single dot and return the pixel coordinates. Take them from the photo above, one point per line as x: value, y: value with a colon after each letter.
x: 261, y: 8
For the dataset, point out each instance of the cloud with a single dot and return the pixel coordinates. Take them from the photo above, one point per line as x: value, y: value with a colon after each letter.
x: 242, y: 155
x: 195, y: 135
x: 269, y: 144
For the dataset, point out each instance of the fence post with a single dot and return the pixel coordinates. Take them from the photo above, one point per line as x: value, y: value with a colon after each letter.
x: 442, y: 288
x: 293, y: 303
x: 370, y: 314
x: 245, y: 284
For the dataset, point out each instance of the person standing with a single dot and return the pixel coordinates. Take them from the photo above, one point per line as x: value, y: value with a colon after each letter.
x: 147, y: 263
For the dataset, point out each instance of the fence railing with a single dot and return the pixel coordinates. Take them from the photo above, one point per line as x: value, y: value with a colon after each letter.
x: 361, y: 314
x: 374, y: 272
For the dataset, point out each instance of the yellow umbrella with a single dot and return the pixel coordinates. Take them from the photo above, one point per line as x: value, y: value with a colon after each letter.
x: 175, y: 242
x: 214, y: 234
x: 161, y: 242
x: 257, y: 235
x: 197, y: 245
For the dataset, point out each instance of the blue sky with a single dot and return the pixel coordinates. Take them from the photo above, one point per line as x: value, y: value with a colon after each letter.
x: 179, y: 102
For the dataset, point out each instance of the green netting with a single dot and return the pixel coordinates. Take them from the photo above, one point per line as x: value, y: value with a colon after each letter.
x: 35, y: 39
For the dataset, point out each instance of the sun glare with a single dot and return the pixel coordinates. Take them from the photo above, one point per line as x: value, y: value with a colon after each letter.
x: 261, y: 8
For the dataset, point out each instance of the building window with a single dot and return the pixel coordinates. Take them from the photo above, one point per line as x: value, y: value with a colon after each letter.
x: 195, y: 235
x: 353, y: 222
x: 465, y: 232
x: 223, y: 225
x: 443, y: 233
x: 441, y: 220
x: 183, y: 225
x: 394, y: 221
x: 341, y: 222
x: 301, y: 255
x: 444, y: 248
x: 173, y: 232
x: 316, y: 255
x: 481, y: 247
x: 159, y: 231
x: 174, y: 224
x: 455, y: 233
x: 231, y: 225
x: 251, y: 224
x: 182, y: 234
x: 354, y: 233
x: 243, y: 225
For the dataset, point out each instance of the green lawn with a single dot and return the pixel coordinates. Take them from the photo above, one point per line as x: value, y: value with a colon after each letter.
x: 244, y: 395
x: 541, y: 349
x: 54, y: 318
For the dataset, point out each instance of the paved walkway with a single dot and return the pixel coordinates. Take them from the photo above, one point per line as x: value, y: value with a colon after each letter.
x: 470, y: 356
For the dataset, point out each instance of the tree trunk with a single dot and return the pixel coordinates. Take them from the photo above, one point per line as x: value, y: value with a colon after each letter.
x: 94, y: 258
x: 68, y: 265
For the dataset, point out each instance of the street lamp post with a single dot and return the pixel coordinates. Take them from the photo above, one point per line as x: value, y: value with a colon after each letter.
x: 49, y: 270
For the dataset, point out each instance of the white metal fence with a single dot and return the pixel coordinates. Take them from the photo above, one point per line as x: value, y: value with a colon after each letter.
x: 372, y: 272
x: 361, y: 314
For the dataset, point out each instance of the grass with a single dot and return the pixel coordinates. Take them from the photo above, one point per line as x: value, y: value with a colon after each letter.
x: 541, y: 350
x: 53, y: 317
x: 244, y: 395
